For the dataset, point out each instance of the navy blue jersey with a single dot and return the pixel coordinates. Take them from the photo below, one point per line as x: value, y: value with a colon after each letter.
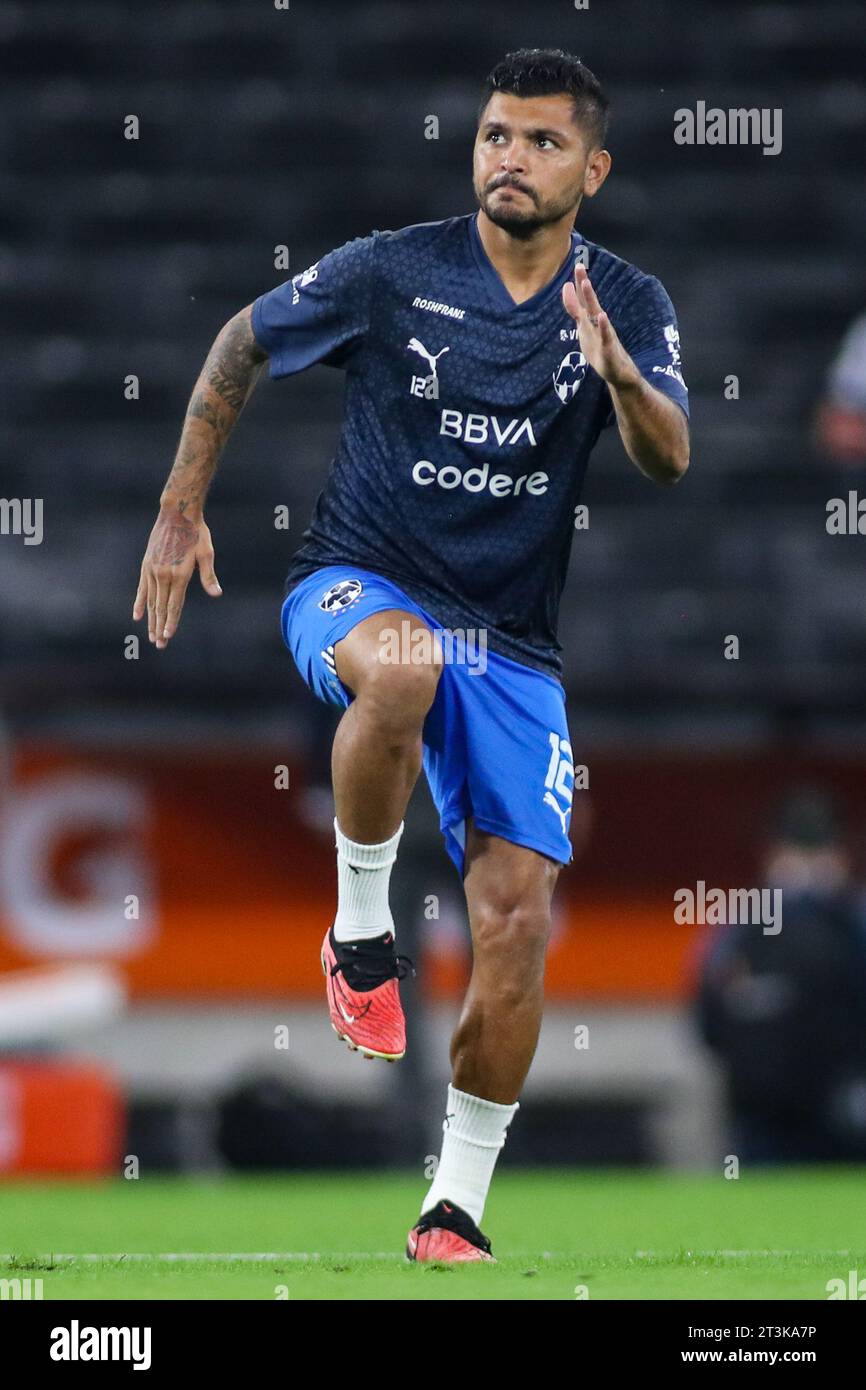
x: 469, y: 419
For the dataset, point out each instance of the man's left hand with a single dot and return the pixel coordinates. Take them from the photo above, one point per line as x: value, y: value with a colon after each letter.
x: 598, y: 340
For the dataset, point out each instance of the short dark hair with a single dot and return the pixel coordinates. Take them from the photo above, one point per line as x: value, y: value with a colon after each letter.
x: 544, y: 72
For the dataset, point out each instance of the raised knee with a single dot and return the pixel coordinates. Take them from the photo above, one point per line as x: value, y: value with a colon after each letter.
x: 398, y: 695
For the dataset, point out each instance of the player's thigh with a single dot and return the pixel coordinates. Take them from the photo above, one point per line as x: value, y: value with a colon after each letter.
x: 393, y: 654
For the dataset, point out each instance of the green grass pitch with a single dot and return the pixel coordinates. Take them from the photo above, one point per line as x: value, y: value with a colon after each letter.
x: 616, y: 1234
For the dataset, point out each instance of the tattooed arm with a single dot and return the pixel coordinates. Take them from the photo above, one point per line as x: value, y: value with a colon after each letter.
x: 180, y: 540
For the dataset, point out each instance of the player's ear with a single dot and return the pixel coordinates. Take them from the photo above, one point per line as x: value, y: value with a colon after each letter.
x: 597, y: 170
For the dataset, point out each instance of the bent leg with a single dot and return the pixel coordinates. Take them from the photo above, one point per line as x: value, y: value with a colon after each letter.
x: 376, y: 757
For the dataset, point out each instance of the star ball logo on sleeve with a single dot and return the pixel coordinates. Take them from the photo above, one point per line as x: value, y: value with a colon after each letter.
x: 341, y: 596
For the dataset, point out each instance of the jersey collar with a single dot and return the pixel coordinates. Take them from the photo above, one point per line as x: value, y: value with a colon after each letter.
x: 493, y: 280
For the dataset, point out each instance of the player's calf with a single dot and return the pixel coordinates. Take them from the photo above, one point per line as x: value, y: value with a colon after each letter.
x: 508, y: 893
x: 497, y: 1033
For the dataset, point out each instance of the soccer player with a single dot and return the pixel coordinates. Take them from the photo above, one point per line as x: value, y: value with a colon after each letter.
x: 484, y: 354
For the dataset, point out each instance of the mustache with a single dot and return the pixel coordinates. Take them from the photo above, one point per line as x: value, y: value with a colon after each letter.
x: 508, y: 182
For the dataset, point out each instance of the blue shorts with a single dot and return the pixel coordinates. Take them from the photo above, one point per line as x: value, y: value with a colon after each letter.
x: 495, y: 741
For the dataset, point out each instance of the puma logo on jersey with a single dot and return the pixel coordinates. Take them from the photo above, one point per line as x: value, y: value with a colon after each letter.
x: 415, y: 345
x: 426, y: 386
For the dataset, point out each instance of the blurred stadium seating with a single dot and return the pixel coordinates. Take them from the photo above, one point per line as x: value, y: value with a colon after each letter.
x: 126, y: 257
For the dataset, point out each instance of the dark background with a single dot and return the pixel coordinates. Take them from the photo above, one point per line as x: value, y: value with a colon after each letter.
x: 305, y: 127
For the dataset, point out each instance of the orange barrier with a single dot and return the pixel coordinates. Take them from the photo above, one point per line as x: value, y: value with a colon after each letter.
x: 60, y: 1118
x: 195, y: 876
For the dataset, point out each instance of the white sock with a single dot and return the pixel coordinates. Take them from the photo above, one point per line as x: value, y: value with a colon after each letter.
x: 363, y: 873
x: 474, y: 1131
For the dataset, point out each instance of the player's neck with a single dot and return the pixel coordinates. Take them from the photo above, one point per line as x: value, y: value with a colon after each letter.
x: 525, y: 267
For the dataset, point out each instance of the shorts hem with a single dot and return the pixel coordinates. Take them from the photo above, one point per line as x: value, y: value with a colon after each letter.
x: 513, y: 836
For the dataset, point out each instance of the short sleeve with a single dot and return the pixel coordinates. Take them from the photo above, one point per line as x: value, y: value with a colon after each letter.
x: 320, y: 315
x: 648, y: 331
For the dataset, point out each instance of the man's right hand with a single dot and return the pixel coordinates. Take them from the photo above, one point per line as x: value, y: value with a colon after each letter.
x: 178, y: 543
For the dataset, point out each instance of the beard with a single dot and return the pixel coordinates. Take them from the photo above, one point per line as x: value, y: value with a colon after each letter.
x: 522, y: 222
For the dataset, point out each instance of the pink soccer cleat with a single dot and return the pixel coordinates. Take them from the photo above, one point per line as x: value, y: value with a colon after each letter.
x: 364, y: 994
x: 447, y: 1234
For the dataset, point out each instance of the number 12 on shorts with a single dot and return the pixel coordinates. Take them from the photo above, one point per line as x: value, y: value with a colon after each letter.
x: 560, y: 769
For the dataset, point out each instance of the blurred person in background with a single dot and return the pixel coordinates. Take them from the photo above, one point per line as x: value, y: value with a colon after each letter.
x: 786, y: 1013
x: 840, y: 425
